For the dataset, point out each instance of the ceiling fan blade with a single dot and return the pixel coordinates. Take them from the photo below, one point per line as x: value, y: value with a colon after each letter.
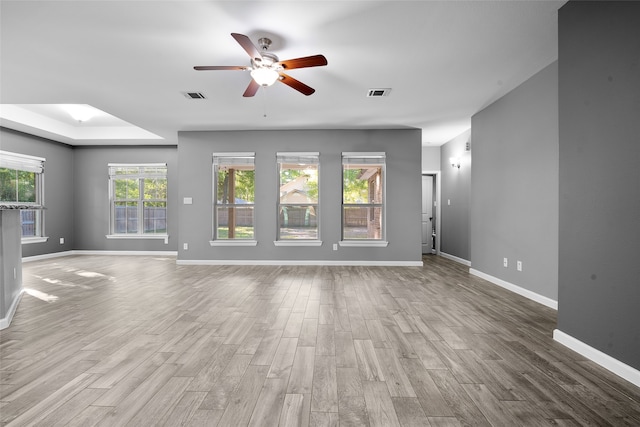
x: 295, y: 84
x: 219, y: 67
x: 307, y: 61
x: 247, y: 45
x: 251, y: 89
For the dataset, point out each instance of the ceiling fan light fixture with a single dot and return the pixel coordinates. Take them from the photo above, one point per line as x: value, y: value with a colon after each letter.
x: 264, y: 76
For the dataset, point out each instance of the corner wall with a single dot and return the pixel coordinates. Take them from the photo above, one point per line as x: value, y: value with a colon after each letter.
x: 599, y: 240
x: 455, y: 198
x: 514, y: 187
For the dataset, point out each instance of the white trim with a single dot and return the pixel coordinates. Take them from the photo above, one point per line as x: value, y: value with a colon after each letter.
x: 6, y: 321
x: 297, y: 242
x: 230, y: 242
x: 364, y: 243
x: 37, y: 239
x: 116, y: 253
x: 455, y: 258
x: 47, y: 256
x: 614, y: 365
x: 297, y: 154
x: 234, y: 154
x: 83, y: 252
x: 301, y: 262
x: 517, y: 289
x: 136, y: 165
x: 137, y: 236
x: 363, y: 154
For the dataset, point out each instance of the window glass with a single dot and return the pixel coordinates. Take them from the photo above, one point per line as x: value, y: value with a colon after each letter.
x: 21, y: 184
x: 233, y: 213
x: 138, y: 199
x: 298, y: 196
x: 363, y: 196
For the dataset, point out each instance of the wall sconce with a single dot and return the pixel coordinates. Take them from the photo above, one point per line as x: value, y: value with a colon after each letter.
x: 455, y: 162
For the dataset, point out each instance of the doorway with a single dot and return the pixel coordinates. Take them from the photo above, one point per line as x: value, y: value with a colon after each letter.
x: 429, y: 214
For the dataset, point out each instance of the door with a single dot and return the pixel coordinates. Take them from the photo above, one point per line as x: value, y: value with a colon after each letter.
x: 427, y: 215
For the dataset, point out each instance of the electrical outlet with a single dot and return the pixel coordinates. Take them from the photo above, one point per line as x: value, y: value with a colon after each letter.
x: 185, y: 246
x: 505, y: 262
x: 335, y: 246
x: 62, y: 240
x: 519, y: 265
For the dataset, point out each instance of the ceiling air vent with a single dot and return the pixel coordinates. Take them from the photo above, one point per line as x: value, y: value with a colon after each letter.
x: 374, y: 93
x: 194, y: 95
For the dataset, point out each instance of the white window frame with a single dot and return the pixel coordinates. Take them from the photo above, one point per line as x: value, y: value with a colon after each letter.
x: 140, y: 176
x: 366, y: 158
x: 307, y: 158
x: 27, y: 163
x: 230, y: 158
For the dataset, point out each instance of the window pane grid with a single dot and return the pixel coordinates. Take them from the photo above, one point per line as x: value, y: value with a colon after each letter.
x: 298, y: 196
x: 22, y: 183
x: 234, y: 196
x: 363, y: 196
x: 139, y: 199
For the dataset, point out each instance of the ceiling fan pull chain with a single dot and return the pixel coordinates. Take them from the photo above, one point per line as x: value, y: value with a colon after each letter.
x: 264, y: 102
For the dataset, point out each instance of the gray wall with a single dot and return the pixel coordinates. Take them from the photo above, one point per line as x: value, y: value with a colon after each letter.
x: 431, y: 159
x: 455, y: 198
x: 58, y: 187
x: 599, y: 103
x: 91, y: 202
x: 514, y: 185
x: 403, y: 149
x: 10, y: 261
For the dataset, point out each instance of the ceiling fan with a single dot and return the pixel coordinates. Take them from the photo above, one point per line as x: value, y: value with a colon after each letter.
x: 266, y: 68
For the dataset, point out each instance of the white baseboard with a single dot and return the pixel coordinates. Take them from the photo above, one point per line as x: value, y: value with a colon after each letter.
x: 79, y: 252
x: 143, y: 253
x: 455, y: 258
x: 517, y: 289
x: 6, y: 321
x: 614, y: 365
x: 296, y: 262
x: 46, y: 256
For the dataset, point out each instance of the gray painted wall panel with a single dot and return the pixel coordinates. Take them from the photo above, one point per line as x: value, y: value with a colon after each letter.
x: 403, y: 149
x: 514, y: 186
x: 431, y: 159
x: 91, y: 203
x: 599, y: 103
x: 455, y: 198
x: 58, y: 197
x: 10, y: 261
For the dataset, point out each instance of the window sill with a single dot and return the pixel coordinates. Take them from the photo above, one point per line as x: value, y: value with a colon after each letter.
x: 233, y: 242
x: 138, y: 236
x: 364, y: 243
x: 297, y: 242
x: 28, y: 240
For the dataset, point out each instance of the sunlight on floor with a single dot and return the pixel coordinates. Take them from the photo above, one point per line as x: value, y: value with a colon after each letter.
x: 41, y: 295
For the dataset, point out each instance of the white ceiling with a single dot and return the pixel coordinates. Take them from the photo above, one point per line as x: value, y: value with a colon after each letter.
x: 444, y: 60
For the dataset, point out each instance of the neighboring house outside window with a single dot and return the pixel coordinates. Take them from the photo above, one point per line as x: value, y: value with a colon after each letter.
x: 138, y: 200
x: 298, y: 196
x: 363, y: 199
x: 22, y: 186
x: 233, y: 198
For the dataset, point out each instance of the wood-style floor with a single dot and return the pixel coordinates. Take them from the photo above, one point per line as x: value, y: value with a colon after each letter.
x: 141, y: 341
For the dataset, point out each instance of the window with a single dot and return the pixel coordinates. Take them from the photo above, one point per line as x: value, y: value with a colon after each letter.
x: 363, y: 188
x: 138, y: 199
x: 298, y: 196
x: 22, y: 186
x: 234, y: 197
